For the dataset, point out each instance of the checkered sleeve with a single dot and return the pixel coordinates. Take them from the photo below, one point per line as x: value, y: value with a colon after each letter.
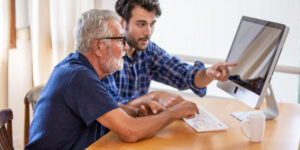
x: 172, y: 71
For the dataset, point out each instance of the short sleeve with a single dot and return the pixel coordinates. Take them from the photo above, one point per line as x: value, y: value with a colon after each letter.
x: 88, y: 97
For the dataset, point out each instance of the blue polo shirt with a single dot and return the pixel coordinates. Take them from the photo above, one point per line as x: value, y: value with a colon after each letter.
x: 66, y: 112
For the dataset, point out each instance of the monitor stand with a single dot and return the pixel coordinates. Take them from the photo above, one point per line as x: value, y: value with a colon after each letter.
x: 271, y: 110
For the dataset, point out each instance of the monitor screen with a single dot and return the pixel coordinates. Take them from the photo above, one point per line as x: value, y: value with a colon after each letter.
x: 256, y: 49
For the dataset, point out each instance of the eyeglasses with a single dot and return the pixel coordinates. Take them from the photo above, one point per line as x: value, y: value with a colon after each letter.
x: 115, y: 38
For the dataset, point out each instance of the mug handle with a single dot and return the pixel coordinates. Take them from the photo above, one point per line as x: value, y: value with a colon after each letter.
x: 242, y: 127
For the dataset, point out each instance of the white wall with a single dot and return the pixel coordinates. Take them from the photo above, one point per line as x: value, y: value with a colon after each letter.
x: 206, y: 28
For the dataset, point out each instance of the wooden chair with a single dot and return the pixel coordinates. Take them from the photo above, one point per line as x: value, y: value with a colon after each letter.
x: 30, y: 98
x: 6, y: 117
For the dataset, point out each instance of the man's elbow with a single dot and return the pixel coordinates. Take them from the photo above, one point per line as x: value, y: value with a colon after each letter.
x: 131, y: 135
x: 130, y: 138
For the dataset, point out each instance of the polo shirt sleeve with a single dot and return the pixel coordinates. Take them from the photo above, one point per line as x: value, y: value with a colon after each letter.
x: 88, y: 97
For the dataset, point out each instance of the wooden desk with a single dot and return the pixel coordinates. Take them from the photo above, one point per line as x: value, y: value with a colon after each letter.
x: 281, y: 133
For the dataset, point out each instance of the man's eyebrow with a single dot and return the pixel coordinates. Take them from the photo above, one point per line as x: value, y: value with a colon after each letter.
x: 141, y: 21
x: 144, y: 21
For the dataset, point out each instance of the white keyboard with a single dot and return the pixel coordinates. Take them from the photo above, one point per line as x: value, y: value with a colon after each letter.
x: 204, y: 122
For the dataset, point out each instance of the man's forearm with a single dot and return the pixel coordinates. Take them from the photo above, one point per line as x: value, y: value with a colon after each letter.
x: 201, y: 80
x: 133, y: 129
x: 145, y: 129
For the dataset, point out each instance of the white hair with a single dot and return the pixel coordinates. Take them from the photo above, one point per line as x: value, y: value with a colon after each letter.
x: 90, y: 26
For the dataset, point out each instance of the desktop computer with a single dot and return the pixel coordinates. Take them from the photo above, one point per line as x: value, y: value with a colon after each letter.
x: 256, y: 49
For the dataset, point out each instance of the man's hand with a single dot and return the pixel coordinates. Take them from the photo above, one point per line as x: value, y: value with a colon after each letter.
x: 150, y: 108
x: 220, y: 71
x: 159, y: 102
x: 184, y: 109
x: 166, y: 99
x: 155, y: 102
x: 130, y: 110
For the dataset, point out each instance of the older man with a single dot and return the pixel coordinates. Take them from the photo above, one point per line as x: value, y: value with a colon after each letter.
x: 75, y: 107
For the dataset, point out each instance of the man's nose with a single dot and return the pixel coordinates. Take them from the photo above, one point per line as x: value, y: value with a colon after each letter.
x: 148, y: 30
x: 126, y: 47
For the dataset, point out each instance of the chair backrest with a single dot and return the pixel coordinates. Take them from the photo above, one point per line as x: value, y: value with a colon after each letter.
x: 6, y: 117
x: 31, y: 97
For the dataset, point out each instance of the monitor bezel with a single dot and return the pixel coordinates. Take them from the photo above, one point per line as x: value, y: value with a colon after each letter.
x: 243, y: 94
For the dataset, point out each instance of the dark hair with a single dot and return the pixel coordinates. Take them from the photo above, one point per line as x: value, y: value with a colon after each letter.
x: 125, y: 7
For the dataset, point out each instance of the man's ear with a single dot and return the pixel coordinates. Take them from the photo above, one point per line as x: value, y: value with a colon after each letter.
x: 96, y: 48
x: 123, y: 22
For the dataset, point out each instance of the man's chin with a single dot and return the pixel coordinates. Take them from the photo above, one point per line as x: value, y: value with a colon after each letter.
x: 142, y: 47
x: 117, y: 67
x: 142, y: 44
x: 121, y: 64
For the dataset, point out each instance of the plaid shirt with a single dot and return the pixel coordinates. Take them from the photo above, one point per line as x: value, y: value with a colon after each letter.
x: 153, y: 63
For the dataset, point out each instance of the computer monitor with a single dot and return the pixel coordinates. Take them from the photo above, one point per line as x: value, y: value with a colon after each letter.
x: 256, y: 48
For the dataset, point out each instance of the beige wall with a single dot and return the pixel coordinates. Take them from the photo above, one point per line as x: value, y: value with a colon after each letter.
x: 20, y: 80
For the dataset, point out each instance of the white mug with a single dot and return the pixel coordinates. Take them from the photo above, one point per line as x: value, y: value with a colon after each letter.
x: 255, y: 124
